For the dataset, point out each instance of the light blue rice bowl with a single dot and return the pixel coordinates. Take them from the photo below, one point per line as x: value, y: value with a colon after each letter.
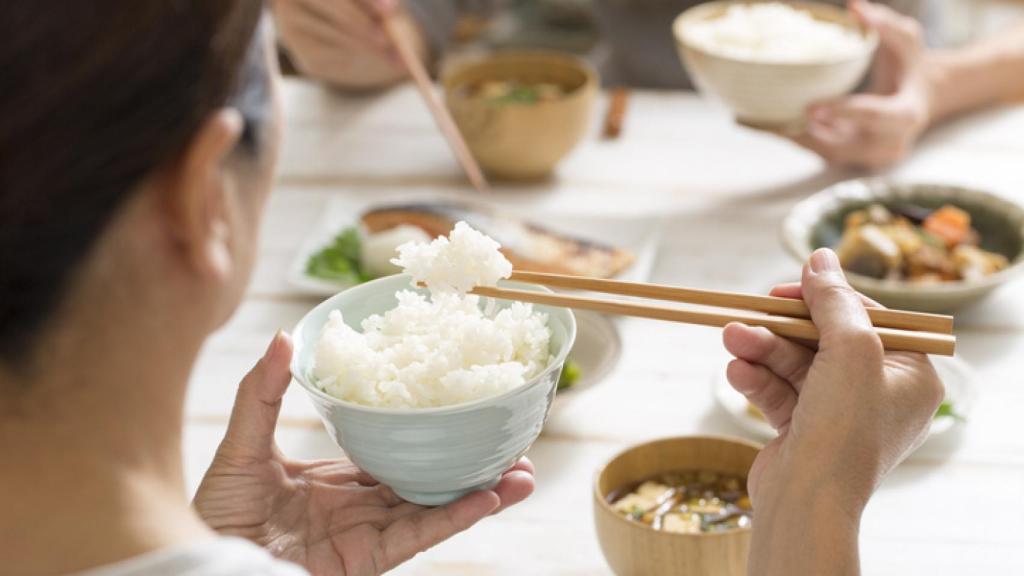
x: 431, y: 456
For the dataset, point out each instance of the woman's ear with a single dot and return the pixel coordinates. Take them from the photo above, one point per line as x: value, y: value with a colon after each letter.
x: 198, y: 196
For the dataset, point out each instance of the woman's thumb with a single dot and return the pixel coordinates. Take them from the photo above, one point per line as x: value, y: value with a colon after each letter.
x: 250, y: 431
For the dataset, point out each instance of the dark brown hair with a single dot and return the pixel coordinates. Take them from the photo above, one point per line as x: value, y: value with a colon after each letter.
x: 94, y: 96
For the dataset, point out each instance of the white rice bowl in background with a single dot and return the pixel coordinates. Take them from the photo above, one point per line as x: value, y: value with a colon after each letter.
x: 441, y: 350
x: 768, y: 62
x: 774, y: 32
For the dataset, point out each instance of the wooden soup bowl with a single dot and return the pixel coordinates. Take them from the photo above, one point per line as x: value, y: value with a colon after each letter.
x: 632, y: 548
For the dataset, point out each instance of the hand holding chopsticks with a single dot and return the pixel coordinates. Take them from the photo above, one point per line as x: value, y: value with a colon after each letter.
x: 898, y: 330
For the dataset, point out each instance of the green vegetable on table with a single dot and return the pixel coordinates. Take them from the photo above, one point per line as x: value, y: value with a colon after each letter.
x: 947, y: 409
x: 570, y: 375
x: 340, y: 260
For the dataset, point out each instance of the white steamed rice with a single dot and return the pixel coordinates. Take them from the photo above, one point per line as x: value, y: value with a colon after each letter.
x: 441, y: 350
x: 460, y: 262
x: 774, y: 32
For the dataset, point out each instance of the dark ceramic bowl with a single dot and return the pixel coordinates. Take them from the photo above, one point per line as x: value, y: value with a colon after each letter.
x: 818, y: 222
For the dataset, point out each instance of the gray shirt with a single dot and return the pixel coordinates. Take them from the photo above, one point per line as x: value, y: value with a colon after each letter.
x: 639, y: 49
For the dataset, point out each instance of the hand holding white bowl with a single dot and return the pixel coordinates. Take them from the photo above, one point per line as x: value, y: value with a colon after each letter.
x: 327, y: 515
x: 880, y: 128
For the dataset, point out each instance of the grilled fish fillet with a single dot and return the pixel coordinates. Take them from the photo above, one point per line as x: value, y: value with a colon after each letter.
x: 529, y: 247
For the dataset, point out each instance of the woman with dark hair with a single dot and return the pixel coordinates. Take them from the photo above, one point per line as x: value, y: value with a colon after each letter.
x: 137, y: 144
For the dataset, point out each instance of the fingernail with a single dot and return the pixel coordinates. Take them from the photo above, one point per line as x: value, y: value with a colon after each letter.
x: 517, y: 474
x: 496, y: 504
x: 275, y: 344
x: 824, y: 260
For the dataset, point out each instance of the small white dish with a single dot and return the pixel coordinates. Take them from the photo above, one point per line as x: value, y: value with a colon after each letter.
x: 596, y: 352
x: 638, y: 235
x: 955, y: 374
x: 318, y: 238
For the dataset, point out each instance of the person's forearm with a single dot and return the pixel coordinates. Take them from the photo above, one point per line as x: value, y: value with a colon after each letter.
x: 808, y: 532
x: 979, y: 75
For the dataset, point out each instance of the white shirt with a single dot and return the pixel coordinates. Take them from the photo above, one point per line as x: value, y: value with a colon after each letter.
x: 212, y: 557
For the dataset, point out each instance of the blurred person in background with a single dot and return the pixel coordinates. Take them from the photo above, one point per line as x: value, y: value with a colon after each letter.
x: 912, y: 88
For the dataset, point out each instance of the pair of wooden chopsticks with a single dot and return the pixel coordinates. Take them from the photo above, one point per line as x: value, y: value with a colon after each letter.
x: 437, y: 109
x: 898, y: 330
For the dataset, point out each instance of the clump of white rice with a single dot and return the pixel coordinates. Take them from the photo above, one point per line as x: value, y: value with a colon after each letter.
x: 439, y: 350
x: 774, y: 32
x: 458, y: 263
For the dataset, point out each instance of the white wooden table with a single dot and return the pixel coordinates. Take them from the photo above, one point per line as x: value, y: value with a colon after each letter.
x: 957, y: 506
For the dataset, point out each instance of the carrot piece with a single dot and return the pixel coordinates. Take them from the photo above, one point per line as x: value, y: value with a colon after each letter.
x: 950, y: 223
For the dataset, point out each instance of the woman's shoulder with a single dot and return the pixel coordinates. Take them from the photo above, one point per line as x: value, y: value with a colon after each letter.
x: 221, y: 556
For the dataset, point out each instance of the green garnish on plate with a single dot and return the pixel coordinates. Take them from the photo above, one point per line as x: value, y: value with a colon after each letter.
x: 571, y: 373
x: 340, y: 260
x: 947, y: 409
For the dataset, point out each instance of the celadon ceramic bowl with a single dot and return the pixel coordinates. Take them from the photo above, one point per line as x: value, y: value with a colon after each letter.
x: 818, y: 222
x: 431, y: 456
x: 771, y: 95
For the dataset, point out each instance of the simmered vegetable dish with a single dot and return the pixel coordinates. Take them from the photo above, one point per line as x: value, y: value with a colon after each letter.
x: 687, y: 502
x: 916, y: 245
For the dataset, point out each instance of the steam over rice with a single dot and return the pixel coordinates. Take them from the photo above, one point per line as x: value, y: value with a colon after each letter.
x: 774, y: 32
x: 441, y: 350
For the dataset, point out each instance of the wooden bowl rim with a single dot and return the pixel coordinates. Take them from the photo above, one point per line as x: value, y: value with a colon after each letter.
x: 590, y: 79
x: 869, y: 34
x: 607, y: 508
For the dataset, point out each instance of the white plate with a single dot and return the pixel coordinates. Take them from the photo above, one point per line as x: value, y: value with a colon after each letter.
x: 638, y: 235
x: 596, y: 351
x: 955, y: 374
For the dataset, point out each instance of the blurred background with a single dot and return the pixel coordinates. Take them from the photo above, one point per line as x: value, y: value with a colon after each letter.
x: 572, y: 25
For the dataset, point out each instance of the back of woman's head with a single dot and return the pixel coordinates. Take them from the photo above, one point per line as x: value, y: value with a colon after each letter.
x: 95, y: 95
